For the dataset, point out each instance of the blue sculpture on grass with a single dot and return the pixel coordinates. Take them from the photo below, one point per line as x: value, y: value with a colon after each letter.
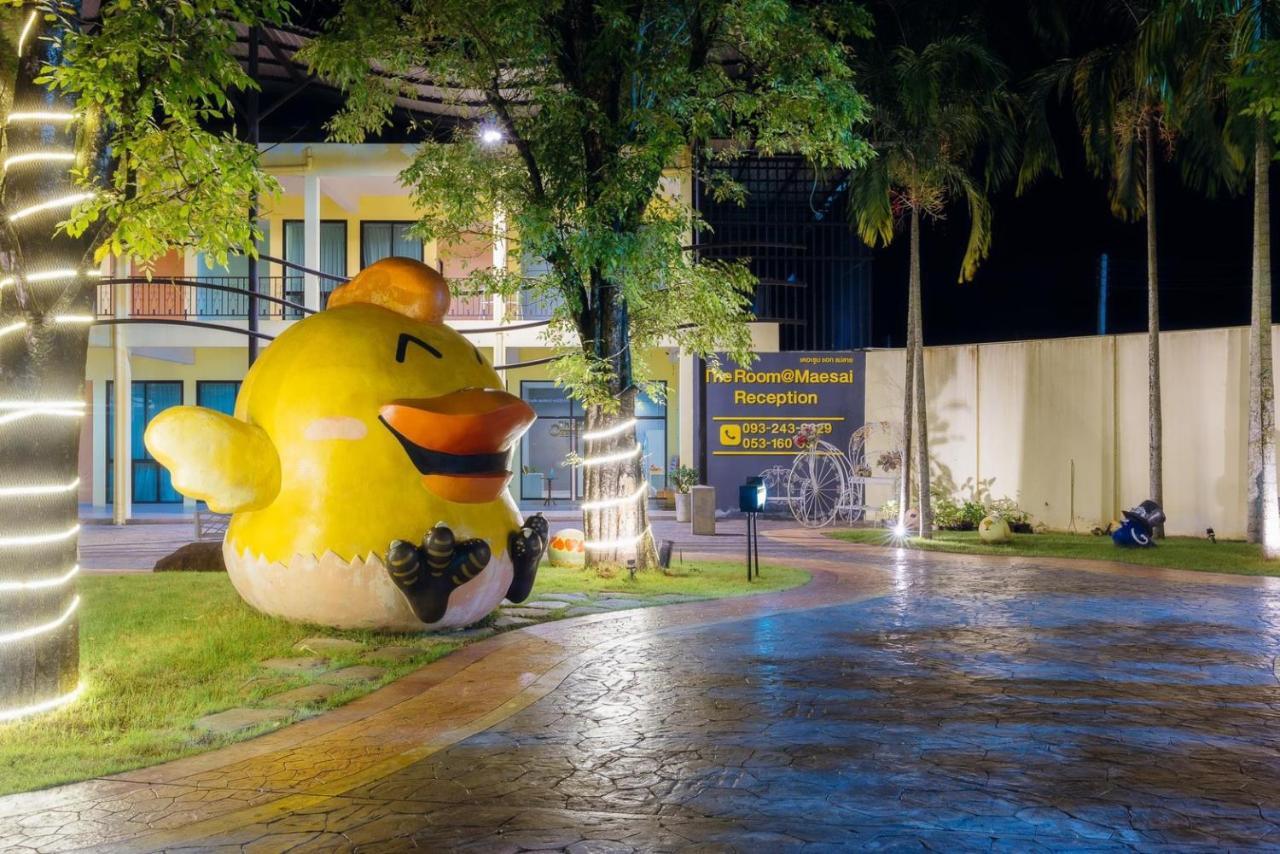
x: 1138, y: 528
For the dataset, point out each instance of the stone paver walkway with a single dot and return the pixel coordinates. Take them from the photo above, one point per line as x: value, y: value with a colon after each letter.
x: 900, y: 701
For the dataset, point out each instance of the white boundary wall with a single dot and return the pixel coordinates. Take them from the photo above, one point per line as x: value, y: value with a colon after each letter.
x: 1016, y: 415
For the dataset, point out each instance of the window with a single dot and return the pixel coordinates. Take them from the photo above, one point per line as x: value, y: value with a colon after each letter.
x: 558, y: 431
x: 333, y: 258
x: 151, y: 484
x: 380, y: 240
x: 211, y: 303
x: 536, y: 304
x: 219, y: 395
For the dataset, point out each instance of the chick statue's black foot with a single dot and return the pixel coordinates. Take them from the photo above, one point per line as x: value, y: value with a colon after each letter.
x: 427, y: 574
x: 526, y: 547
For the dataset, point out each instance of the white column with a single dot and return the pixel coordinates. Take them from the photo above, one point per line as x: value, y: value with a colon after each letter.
x: 687, y: 378
x: 122, y: 425
x: 311, y: 239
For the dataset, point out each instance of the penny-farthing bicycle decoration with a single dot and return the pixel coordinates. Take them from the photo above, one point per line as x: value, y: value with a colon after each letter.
x: 824, y: 484
x: 818, y: 486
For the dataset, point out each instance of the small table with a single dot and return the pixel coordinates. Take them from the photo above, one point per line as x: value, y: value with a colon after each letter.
x: 549, y: 500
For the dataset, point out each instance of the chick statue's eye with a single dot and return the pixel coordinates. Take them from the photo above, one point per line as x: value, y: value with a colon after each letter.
x: 402, y: 347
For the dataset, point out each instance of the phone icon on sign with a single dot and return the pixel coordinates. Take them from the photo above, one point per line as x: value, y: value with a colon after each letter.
x: 730, y: 434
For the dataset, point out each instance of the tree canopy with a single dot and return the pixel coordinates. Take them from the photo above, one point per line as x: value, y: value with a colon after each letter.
x: 158, y: 149
x: 595, y: 102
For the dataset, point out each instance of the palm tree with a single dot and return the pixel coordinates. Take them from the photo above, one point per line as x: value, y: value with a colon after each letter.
x: 1213, y: 76
x: 943, y: 128
x: 1118, y: 96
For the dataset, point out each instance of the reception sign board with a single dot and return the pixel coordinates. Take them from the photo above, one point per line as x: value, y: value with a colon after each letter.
x: 752, y: 413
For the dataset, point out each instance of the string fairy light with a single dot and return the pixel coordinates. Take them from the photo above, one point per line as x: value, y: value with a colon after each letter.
x: 28, y: 404
x: 42, y: 116
x: 620, y: 427
x: 630, y: 453
x: 602, y: 459
x: 48, y: 205
x: 73, y: 318
x: 32, y: 631
x: 44, y: 706
x: 16, y: 326
x: 40, y: 584
x: 617, y: 502
x: 26, y: 29
x: 38, y: 540
x: 620, y: 543
x: 39, y: 489
x: 39, y: 157
x: 40, y: 412
x: 50, y: 276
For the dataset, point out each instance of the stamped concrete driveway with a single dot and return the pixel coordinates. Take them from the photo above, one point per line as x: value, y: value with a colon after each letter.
x: 968, y: 704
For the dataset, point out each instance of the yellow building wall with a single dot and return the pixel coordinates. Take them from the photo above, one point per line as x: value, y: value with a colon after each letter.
x: 1061, y: 425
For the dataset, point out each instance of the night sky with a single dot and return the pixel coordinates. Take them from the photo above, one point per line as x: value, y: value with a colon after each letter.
x: 1041, y: 279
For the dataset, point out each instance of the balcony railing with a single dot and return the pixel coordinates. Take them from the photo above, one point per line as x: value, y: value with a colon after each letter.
x: 164, y: 298
x: 529, y: 306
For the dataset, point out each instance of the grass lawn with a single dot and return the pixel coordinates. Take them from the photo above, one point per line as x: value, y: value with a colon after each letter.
x: 159, y: 651
x: 1193, y: 553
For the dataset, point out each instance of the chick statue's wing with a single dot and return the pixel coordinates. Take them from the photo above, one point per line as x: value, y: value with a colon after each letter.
x: 227, y: 463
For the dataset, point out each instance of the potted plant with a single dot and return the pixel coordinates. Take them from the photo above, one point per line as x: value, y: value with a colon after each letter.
x: 683, y: 478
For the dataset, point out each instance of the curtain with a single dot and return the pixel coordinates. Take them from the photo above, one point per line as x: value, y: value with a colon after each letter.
x: 295, y: 251
x: 375, y: 242
x: 333, y: 256
x: 403, y: 245
x: 387, y: 239
x: 219, y: 396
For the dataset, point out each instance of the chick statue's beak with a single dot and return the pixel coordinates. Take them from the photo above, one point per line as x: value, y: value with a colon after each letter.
x: 461, y: 442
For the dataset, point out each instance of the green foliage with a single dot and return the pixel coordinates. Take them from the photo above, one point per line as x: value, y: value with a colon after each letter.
x: 943, y: 121
x: 683, y: 478
x: 596, y: 102
x: 153, y: 80
x: 889, y: 511
x: 1006, y: 508
x: 950, y: 514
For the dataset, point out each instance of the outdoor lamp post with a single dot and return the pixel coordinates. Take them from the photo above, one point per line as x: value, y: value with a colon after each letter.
x: 752, y: 496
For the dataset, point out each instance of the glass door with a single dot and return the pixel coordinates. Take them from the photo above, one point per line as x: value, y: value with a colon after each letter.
x: 558, y: 432
x: 151, y: 483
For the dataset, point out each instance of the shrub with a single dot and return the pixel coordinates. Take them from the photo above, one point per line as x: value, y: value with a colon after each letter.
x: 1019, y: 520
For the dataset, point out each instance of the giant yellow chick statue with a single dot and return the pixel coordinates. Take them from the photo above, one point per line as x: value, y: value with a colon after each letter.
x: 366, y: 466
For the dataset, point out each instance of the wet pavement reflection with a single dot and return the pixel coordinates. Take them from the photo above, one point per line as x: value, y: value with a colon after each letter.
x: 975, y: 707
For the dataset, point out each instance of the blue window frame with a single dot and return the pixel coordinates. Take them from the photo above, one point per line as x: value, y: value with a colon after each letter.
x: 219, y: 395
x: 151, y: 483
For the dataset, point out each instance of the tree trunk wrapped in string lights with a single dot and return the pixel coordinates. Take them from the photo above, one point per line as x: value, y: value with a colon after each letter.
x: 46, y: 305
x: 130, y: 176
